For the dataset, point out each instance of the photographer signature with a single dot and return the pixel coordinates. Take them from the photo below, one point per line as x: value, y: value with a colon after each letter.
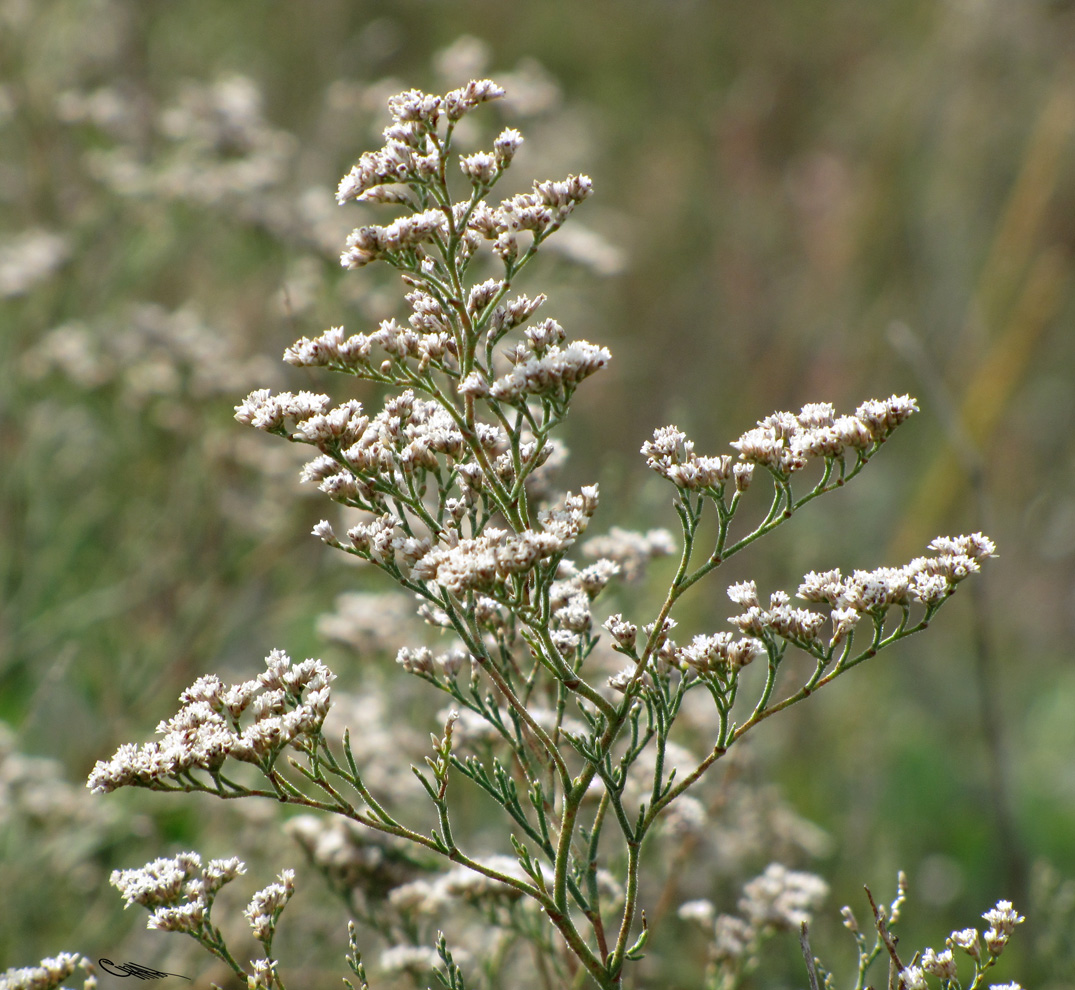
x: 133, y: 969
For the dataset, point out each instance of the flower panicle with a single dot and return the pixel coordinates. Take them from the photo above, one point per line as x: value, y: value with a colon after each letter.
x: 288, y: 704
x: 449, y: 479
x: 927, y: 581
x: 782, y: 442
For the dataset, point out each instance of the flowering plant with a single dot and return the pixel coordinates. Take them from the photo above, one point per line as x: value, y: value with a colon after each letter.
x: 451, y: 483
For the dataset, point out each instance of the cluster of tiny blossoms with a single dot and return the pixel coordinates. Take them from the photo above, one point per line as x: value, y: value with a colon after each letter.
x: 413, y: 158
x: 863, y: 594
x: 363, y: 457
x: 782, y: 443
x: 494, y: 556
x: 49, y: 973
x: 288, y: 705
x: 266, y: 905
x: 778, y: 900
x: 541, y: 365
x: 177, y: 890
x: 1002, y: 921
x: 926, y: 580
x: 179, y: 893
x: 386, y: 463
x: 352, y: 857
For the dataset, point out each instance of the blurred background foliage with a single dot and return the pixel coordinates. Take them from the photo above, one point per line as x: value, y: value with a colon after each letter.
x: 795, y: 202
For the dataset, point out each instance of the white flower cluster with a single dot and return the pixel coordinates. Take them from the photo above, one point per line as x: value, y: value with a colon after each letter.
x: 218, y: 150
x: 473, y: 732
x: 540, y: 211
x: 364, y: 455
x: 782, y: 442
x: 427, y: 340
x: 264, y: 975
x: 553, y: 373
x: 273, y: 413
x: 1002, y: 921
x: 431, y: 896
x: 570, y: 599
x: 265, y: 906
x: 49, y: 973
x: 732, y: 937
x: 415, y: 960
x: 367, y: 244
x: 623, y: 632
x: 928, y: 580
x: 515, y: 312
x: 718, y: 652
x: 778, y: 900
x: 177, y: 890
x: 412, y: 156
x: 492, y: 558
x: 28, y: 258
x: 354, y: 857
x: 486, y: 560
x: 590, y: 580
x: 942, y: 964
x: 627, y: 675
x: 629, y: 550
x: 409, y: 154
x: 288, y: 703
x: 782, y: 899
x: 367, y: 622
x: 428, y: 897
x: 780, y: 618
x: 422, y: 660
x: 672, y: 456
